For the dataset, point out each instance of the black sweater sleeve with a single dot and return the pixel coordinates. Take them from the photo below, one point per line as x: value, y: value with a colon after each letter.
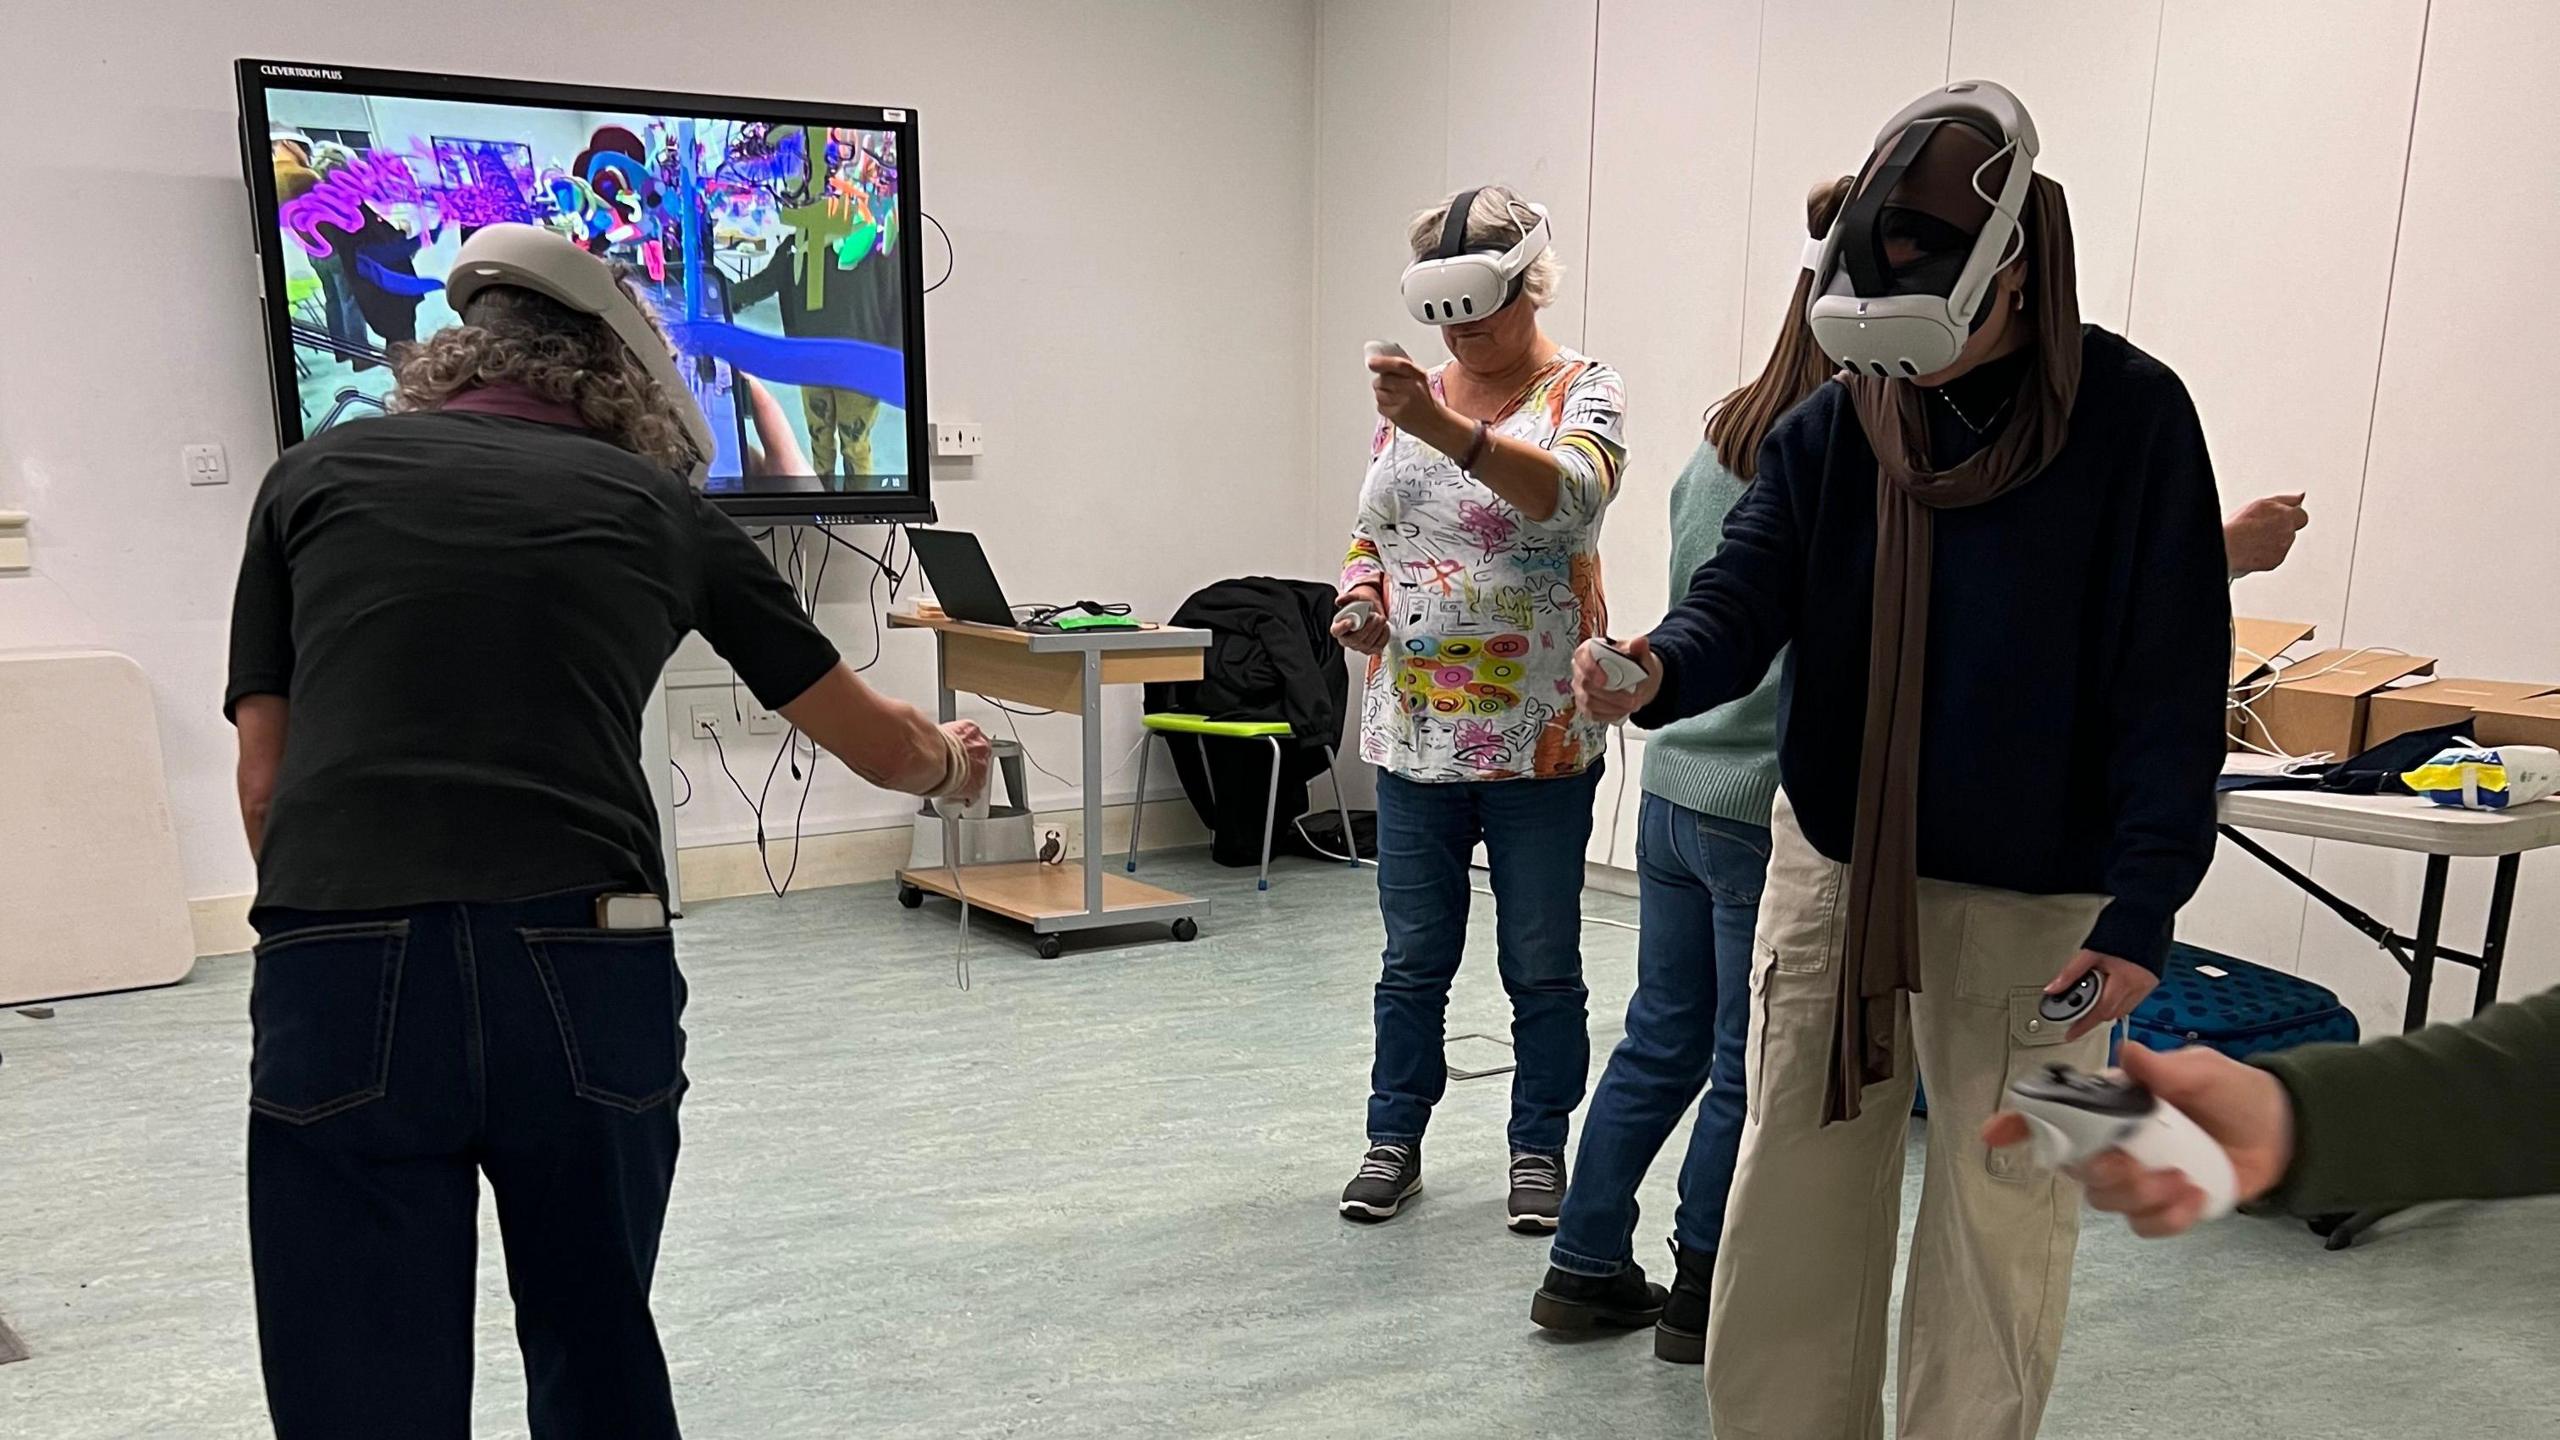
x: 1743, y: 604
x: 2165, y: 710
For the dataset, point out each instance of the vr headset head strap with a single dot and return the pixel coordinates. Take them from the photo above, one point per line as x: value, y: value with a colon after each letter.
x: 532, y: 258
x: 1453, y: 228
x: 1860, y: 226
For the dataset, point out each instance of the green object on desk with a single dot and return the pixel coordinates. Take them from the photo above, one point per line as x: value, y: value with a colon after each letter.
x: 1096, y: 622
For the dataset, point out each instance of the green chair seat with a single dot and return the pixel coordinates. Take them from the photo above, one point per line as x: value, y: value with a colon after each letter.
x: 1177, y: 723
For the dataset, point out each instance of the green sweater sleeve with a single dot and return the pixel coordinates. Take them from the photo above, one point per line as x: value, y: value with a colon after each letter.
x: 2453, y: 1112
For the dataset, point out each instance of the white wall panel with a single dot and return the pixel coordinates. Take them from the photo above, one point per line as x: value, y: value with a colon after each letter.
x: 2454, y: 557
x: 1520, y: 114
x: 2084, y: 70
x: 1382, y: 108
x: 2277, y: 136
x: 1670, y: 195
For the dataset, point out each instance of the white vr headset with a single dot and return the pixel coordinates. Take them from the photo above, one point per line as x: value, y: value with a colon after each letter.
x: 532, y: 258
x: 1876, y: 322
x: 1452, y: 286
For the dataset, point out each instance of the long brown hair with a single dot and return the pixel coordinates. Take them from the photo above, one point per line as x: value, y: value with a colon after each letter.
x: 1738, y: 423
x: 511, y: 335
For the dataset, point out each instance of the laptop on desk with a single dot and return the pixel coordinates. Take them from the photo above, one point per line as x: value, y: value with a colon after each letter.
x: 964, y: 584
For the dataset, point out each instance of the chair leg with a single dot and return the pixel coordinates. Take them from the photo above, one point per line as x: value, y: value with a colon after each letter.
x: 1138, y: 809
x: 1270, y: 815
x: 1341, y: 806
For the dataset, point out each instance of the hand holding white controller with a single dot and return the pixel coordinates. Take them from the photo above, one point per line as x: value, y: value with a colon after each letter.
x: 1625, y: 672
x: 2073, y: 1118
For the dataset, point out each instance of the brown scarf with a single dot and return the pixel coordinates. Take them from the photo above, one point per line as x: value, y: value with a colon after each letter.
x: 1883, y: 952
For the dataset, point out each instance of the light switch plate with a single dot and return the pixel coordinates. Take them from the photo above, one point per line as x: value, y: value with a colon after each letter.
x: 205, y: 464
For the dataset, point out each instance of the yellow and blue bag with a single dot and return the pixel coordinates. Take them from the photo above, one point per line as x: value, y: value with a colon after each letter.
x: 2487, y: 777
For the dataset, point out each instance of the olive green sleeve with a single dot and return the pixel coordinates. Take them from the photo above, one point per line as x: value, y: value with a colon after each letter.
x: 2453, y: 1112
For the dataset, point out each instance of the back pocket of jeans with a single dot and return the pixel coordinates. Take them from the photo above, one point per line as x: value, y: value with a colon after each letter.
x: 617, y: 998
x: 321, y: 1009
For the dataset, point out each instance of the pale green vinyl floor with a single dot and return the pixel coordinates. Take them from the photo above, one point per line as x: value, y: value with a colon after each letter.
x: 1094, y: 1197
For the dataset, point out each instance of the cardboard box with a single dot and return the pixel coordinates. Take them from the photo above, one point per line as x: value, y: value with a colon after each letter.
x: 2534, y: 721
x: 2318, y: 703
x: 2255, y: 644
x: 2440, y: 702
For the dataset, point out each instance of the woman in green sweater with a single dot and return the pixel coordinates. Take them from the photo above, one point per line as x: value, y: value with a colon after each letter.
x: 1702, y: 848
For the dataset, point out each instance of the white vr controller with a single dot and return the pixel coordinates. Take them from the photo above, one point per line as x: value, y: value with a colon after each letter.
x: 1624, y: 671
x: 2073, y: 1118
x: 1379, y: 349
x: 1358, y: 612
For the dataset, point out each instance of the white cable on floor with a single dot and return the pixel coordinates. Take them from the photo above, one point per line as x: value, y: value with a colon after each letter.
x: 951, y: 861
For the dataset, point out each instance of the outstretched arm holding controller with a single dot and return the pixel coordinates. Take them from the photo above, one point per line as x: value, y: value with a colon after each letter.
x: 1741, y: 609
x: 2453, y: 1112
x: 750, y: 615
x: 890, y: 742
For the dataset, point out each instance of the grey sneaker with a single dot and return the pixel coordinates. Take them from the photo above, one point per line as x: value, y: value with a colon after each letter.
x: 1389, y: 1176
x: 1537, y: 1193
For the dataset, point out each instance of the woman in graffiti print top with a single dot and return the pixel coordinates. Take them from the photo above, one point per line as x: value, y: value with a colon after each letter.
x: 1484, y: 605
x: 1478, y: 542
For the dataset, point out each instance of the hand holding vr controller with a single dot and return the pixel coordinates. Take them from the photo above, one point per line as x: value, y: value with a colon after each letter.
x: 1403, y: 388
x: 2241, y: 1112
x: 2094, y: 991
x: 968, y: 756
x: 1612, y: 681
x: 1358, y: 621
x: 2080, y: 1123
x: 2135, y: 1149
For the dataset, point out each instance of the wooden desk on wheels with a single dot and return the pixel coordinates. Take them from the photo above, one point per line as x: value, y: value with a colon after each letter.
x: 1063, y: 671
x: 2403, y: 822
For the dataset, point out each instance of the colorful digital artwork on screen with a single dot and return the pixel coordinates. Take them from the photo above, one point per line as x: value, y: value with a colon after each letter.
x: 770, y: 250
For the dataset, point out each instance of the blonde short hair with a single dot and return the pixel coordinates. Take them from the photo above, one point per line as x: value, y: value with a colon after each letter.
x: 1496, y: 221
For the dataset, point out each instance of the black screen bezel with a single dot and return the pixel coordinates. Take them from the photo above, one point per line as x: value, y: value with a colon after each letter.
x: 257, y: 77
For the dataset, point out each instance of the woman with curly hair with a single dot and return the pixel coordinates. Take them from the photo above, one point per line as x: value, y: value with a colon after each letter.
x: 448, y: 623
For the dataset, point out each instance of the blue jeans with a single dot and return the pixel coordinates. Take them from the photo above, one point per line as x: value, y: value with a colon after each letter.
x: 398, y: 1057
x: 1699, y: 877
x: 1534, y: 832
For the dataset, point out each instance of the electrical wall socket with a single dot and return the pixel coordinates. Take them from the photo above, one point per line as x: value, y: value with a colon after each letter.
x: 958, y: 439
x: 761, y: 721
x: 708, y: 720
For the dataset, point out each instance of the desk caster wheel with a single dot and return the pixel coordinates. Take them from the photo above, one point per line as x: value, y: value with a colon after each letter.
x: 1048, y: 947
x: 910, y: 896
x: 1186, y: 928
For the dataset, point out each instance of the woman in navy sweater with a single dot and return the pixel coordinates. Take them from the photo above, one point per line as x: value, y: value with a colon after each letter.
x: 2066, y: 642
